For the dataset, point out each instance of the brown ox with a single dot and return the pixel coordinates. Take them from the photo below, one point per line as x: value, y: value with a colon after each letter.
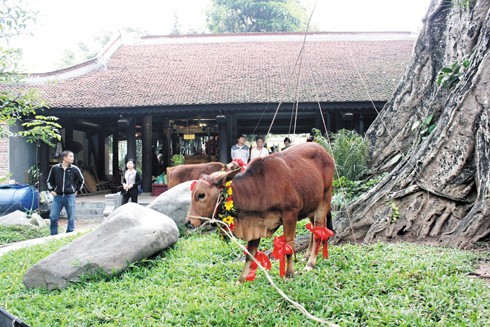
x: 184, y: 173
x: 276, y: 190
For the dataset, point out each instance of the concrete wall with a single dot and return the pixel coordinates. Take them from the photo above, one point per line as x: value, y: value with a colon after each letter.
x: 21, y: 156
x: 4, y: 155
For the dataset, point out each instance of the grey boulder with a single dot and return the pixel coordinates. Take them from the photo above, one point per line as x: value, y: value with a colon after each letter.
x: 174, y: 203
x: 130, y: 234
x: 15, y: 218
x: 37, y: 220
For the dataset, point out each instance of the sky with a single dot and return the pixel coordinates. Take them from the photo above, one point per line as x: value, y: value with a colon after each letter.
x: 62, y: 24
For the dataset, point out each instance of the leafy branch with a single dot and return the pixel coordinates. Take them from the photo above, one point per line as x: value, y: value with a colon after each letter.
x: 450, y: 76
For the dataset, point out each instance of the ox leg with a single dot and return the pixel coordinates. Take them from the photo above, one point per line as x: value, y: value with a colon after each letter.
x: 289, y: 224
x: 310, y: 246
x: 320, y: 220
x: 252, y: 246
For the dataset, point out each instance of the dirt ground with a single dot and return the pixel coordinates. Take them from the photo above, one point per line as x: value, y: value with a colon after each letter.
x: 483, y: 272
x: 81, y: 225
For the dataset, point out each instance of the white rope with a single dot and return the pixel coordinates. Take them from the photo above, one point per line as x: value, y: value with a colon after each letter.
x: 228, y: 233
x: 407, y: 160
x: 361, y: 78
x: 337, y: 173
x: 298, y: 63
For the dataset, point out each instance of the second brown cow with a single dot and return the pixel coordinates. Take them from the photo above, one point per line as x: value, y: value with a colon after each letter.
x: 184, y: 173
x: 276, y: 190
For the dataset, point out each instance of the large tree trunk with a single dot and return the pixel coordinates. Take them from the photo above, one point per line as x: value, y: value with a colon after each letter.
x: 438, y: 183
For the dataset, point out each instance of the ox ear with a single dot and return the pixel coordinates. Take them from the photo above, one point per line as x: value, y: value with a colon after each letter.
x: 220, y: 179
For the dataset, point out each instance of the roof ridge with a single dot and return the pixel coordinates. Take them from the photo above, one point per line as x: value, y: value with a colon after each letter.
x: 100, y: 60
x: 208, y: 35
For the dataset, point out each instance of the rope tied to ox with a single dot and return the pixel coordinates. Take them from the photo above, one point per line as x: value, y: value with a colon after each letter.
x: 258, y: 264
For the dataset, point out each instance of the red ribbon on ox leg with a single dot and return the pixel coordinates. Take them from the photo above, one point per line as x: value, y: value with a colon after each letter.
x: 264, y: 262
x: 281, y: 249
x: 321, y: 234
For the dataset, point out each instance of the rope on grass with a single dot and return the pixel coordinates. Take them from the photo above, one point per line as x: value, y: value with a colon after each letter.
x: 228, y: 233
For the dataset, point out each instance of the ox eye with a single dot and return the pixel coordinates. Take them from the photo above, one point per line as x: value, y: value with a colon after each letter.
x: 201, y: 196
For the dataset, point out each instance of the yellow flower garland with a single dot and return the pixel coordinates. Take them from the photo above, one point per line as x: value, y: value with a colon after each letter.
x: 227, y: 205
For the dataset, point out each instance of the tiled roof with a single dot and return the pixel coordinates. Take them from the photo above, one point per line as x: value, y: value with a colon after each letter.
x: 164, y: 71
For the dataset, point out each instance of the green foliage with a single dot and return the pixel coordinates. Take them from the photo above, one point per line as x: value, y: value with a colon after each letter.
x: 395, y: 213
x: 346, y: 190
x: 463, y: 3
x: 235, y: 16
x: 42, y: 128
x: 193, y: 284
x: 427, y: 126
x: 450, y: 76
x: 4, y: 178
x: 17, y: 233
x: 178, y: 159
x: 349, y: 150
x: 13, y: 18
x: 33, y: 174
x: 16, y: 105
x: 85, y: 51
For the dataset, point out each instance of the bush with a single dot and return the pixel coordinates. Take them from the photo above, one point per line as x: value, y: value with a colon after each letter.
x: 350, y: 151
x: 346, y: 191
x: 177, y: 159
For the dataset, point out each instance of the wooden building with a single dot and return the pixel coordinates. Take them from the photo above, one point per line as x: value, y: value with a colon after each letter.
x: 164, y: 90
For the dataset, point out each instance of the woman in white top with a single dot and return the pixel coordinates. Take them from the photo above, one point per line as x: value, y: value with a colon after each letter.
x: 131, y: 181
x: 260, y: 150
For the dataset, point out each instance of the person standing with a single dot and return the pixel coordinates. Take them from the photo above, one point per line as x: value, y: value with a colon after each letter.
x: 259, y: 151
x: 64, y: 181
x: 240, y: 150
x: 131, y: 182
x: 287, y: 143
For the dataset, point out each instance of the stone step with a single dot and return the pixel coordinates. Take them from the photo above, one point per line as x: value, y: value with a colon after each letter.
x: 98, y: 209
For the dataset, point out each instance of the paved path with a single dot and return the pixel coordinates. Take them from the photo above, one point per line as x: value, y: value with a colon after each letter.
x: 81, y: 225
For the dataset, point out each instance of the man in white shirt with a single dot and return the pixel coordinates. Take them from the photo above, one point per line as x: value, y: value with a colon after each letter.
x: 260, y: 150
x: 240, y: 150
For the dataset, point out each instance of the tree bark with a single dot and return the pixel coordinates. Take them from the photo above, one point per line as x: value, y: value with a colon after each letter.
x: 439, y: 184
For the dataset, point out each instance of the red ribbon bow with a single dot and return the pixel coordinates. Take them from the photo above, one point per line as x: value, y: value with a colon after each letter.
x: 281, y: 249
x: 264, y: 262
x: 321, y: 234
x: 241, y: 164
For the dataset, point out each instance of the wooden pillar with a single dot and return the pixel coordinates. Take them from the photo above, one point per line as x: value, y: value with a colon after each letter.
x: 328, y: 116
x: 131, y: 141
x: 361, y: 125
x: 90, y: 150
x: 167, y: 141
x: 223, y: 148
x: 147, y: 153
x: 68, y: 136
x: 116, y: 177
x: 209, y: 142
x: 319, y: 122
x: 43, y: 165
x: 231, y: 128
x: 101, y: 156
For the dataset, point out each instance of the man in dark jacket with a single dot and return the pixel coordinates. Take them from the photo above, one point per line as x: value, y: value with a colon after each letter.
x: 64, y: 181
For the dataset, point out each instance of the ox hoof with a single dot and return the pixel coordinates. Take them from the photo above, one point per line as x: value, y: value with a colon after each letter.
x: 309, y: 268
x: 240, y: 280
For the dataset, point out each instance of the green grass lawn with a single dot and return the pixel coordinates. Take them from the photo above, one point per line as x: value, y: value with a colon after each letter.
x: 17, y: 233
x: 194, y: 284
